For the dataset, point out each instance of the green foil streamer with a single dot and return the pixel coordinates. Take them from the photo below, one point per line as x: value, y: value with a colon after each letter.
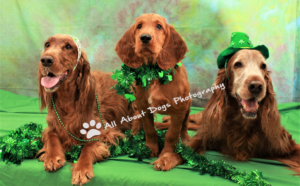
x: 24, y: 143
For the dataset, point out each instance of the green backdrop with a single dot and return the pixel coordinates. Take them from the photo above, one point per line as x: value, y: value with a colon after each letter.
x: 205, y: 25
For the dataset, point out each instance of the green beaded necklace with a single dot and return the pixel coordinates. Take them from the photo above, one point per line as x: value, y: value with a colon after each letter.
x: 70, y: 132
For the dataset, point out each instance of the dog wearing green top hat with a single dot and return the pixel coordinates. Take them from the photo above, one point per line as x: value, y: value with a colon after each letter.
x: 242, y: 120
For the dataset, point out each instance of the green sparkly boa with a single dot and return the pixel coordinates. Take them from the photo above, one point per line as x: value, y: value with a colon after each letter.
x: 143, y: 75
x: 24, y: 143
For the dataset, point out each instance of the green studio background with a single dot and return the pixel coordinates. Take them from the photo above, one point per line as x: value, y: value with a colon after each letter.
x: 206, y: 26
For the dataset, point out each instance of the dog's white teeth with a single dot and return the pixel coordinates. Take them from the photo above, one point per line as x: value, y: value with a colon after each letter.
x: 244, y: 105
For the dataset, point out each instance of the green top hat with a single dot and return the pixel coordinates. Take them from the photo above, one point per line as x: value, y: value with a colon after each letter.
x: 239, y: 41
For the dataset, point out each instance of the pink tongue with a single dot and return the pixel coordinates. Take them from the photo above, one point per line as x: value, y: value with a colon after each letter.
x: 49, y: 82
x: 250, y: 105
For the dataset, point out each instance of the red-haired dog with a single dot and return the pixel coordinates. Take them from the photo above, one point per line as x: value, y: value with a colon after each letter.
x: 67, y: 78
x: 152, y: 41
x: 243, y: 120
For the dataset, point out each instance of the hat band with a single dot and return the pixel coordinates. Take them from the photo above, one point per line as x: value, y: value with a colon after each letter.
x: 226, y: 69
x: 77, y: 42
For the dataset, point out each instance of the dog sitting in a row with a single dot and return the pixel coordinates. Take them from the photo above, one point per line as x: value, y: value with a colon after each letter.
x: 152, y: 41
x: 243, y: 121
x: 74, y: 95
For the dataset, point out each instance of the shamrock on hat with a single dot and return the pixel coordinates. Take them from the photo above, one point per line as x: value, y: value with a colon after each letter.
x: 239, y: 41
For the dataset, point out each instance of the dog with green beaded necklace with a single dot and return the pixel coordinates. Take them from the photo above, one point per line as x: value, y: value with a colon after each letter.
x: 74, y: 95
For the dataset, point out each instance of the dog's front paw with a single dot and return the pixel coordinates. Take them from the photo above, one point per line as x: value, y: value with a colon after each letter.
x: 52, y: 163
x: 82, y: 173
x: 167, y: 161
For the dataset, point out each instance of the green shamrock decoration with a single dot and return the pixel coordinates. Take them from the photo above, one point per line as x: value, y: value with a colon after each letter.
x: 141, y: 76
x: 241, y: 41
x: 161, y: 74
x: 25, y: 141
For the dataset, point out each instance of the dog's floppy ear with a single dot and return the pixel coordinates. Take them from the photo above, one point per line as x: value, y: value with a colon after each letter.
x: 44, y: 97
x: 212, y: 116
x: 270, y: 114
x: 214, y: 110
x: 125, y: 49
x: 85, y: 85
x: 172, y: 51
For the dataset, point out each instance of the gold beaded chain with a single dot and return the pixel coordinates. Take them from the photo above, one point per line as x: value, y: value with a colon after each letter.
x: 70, y: 132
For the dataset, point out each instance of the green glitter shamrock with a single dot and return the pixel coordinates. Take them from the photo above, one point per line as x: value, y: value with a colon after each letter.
x: 241, y: 41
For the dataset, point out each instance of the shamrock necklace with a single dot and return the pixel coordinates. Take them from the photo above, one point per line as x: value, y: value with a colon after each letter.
x: 70, y: 132
x: 143, y: 75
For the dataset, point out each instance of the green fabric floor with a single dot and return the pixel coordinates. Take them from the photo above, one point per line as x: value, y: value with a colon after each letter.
x: 16, y: 110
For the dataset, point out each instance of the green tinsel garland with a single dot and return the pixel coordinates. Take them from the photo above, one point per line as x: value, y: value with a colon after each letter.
x: 24, y: 142
x: 143, y: 75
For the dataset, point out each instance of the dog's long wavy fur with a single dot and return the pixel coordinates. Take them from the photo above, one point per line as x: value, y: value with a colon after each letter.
x: 76, y: 104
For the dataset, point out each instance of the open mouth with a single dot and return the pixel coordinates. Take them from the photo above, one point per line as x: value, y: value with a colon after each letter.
x: 51, y: 81
x: 248, y: 107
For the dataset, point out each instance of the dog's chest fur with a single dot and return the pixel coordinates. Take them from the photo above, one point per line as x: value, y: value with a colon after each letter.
x: 159, y: 95
x: 243, y: 138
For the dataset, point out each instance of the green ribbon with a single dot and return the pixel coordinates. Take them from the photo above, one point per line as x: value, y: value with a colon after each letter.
x: 78, y: 44
x: 226, y: 69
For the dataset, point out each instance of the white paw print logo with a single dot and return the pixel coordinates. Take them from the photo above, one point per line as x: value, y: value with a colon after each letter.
x: 92, y: 132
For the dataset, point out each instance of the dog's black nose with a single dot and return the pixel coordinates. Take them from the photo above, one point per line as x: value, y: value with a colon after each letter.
x: 47, y: 61
x: 145, y: 38
x: 255, y: 87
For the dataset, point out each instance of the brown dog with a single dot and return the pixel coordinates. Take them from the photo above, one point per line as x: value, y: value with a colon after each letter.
x: 151, y: 40
x: 74, y: 96
x: 243, y: 120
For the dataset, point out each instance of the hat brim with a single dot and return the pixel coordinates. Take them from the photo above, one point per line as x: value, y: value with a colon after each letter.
x: 228, y: 53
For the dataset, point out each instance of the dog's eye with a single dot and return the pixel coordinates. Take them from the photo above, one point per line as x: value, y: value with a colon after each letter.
x: 238, y: 65
x: 158, y: 26
x: 263, y: 66
x: 47, y: 45
x: 68, y: 47
x: 139, y: 26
